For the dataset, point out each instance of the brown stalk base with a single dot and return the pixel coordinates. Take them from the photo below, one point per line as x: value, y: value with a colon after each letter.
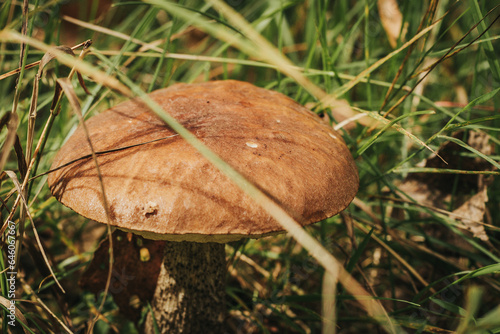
x: 190, y: 293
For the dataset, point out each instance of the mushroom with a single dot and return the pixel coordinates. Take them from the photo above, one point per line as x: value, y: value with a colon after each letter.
x: 160, y: 187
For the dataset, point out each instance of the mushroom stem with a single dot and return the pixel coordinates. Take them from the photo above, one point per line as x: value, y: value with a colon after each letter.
x: 190, y: 294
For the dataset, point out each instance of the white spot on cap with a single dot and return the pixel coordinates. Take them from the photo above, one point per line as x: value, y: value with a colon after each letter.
x: 332, y: 135
x: 278, y: 121
x: 252, y: 144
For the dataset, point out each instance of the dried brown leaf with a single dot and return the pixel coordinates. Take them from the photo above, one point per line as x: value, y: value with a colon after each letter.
x: 471, y: 213
x: 48, y: 56
x: 66, y: 86
x: 440, y: 185
x: 481, y: 142
x: 434, y: 190
x: 392, y: 20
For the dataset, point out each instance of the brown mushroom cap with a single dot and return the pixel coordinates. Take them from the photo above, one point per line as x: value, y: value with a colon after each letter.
x: 167, y: 190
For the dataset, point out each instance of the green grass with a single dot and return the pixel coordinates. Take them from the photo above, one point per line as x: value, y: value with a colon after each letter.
x: 400, y: 242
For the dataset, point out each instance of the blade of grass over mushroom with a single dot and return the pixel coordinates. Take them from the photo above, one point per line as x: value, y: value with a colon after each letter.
x: 77, y: 64
x: 73, y: 99
x: 316, y: 250
x: 101, y: 152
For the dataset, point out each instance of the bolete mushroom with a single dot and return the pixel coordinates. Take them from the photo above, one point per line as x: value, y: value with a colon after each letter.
x: 160, y: 187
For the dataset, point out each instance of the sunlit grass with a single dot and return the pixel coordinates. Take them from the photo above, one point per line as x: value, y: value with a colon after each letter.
x: 418, y: 259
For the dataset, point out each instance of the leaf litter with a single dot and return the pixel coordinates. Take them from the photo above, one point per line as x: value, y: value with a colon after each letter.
x: 438, y: 190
